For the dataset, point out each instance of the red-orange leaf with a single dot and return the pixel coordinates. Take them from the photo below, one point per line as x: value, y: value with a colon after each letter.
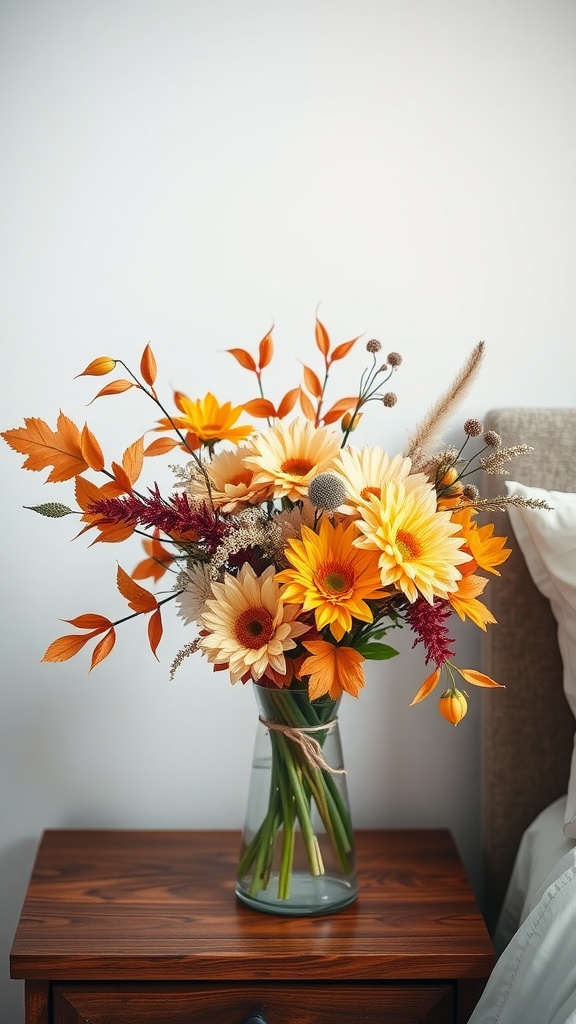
x: 244, y: 358
x: 322, y: 339
x: 288, y: 402
x: 65, y: 647
x: 155, y: 630
x: 115, y: 387
x: 342, y: 350
x: 307, y: 407
x: 259, y: 407
x: 265, y: 350
x: 44, y: 447
x: 98, y: 367
x: 90, y: 621
x: 312, y: 382
x: 91, y: 450
x: 103, y: 648
x: 148, y: 367
x: 139, y: 599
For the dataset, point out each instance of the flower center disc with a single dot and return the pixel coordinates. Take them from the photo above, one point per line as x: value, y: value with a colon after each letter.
x: 407, y: 545
x: 336, y: 580
x: 297, y: 467
x: 254, y: 628
x: 367, y: 491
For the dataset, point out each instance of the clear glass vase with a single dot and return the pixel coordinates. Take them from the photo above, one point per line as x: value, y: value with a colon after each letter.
x: 297, y: 853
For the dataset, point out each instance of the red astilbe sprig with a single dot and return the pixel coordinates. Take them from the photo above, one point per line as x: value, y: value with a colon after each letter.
x: 428, y: 622
x: 174, y: 515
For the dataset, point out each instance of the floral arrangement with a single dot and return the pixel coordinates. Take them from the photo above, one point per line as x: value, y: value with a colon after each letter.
x: 290, y: 551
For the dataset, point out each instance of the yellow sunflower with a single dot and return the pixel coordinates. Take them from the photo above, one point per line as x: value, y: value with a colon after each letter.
x: 208, y: 420
x: 420, y: 547
x: 232, y: 482
x: 248, y: 626
x: 332, y: 670
x: 331, y: 577
x: 365, y: 472
x: 289, y: 456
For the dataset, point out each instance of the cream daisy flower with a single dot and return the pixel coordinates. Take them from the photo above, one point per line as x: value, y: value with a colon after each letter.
x: 420, y: 547
x: 289, y: 456
x: 197, y: 588
x: 232, y: 482
x: 248, y: 626
x: 366, y: 472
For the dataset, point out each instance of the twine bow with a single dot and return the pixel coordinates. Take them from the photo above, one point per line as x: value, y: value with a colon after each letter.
x: 310, y: 747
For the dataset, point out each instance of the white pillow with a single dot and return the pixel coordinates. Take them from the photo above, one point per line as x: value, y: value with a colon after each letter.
x: 547, y: 539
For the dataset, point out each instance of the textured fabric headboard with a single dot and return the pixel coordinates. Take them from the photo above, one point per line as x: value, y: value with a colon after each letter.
x: 527, y: 729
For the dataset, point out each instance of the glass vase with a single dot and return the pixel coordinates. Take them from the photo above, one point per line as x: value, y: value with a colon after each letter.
x: 297, y: 853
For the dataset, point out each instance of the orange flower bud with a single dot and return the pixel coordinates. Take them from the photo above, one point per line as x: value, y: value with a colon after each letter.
x: 347, y: 420
x: 98, y: 367
x: 453, y: 705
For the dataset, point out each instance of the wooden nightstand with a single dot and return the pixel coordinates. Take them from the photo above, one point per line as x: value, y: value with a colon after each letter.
x: 144, y: 926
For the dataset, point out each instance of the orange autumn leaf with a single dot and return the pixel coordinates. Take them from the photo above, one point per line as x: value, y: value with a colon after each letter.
x: 288, y: 403
x: 427, y: 686
x: 155, y: 630
x: 156, y: 565
x: 307, y: 407
x: 161, y: 446
x: 244, y: 358
x: 91, y: 450
x: 336, y: 411
x: 66, y: 647
x: 322, y: 339
x: 103, y: 648
x: 312, y: 382
x: 61, y: 449
x: 260, y: 407
x: 116, y: 387
x: 98, y: 367
x: 478, y: 678
x: 148, y: 367
x: 342, y: 350
x: 265, y: 350
x: 90, y: 621
x: 139, y: 599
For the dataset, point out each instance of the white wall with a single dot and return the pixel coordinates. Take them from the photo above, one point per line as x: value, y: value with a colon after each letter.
x: 187, y: 173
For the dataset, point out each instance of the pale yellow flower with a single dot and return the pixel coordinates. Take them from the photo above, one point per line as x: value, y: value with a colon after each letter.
x: 365, y: 472
x: 289, y: 456
x: 420, y: 547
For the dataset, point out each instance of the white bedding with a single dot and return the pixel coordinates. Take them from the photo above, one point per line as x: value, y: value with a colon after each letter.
x: 534, y: 980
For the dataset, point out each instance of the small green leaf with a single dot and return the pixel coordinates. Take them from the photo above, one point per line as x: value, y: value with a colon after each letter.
x: 53, y: 509
x: 376, y: 652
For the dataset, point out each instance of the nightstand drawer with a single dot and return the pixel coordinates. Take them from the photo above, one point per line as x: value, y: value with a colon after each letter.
x: 236, y: 1003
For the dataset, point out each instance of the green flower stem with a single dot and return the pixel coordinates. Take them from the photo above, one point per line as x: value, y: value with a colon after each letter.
x: 297, y: 789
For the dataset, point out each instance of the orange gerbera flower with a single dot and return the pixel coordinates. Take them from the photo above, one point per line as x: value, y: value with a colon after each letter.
x: 333, y: 670
x: 464, y: 600
x: 486, y: 550
x: 207, y: 419
x: 331, y: 577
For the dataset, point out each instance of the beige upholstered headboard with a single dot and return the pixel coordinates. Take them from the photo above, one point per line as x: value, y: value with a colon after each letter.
x: 527, y: 729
